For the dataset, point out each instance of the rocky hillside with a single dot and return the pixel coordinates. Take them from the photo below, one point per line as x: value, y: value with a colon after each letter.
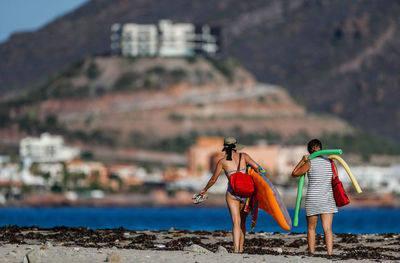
x: 167, y: 103
x: 339, y: 57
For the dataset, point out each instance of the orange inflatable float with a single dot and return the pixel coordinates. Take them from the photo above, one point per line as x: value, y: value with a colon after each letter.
x: 268, y: 199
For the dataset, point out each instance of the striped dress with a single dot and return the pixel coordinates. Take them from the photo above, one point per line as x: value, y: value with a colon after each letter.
x: 319, y: 198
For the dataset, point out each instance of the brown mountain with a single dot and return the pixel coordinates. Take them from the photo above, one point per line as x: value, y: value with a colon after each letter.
x: 150, y: 102
x: 337, y: 56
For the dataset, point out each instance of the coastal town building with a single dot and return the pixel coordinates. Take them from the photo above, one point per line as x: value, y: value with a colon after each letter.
x: 89, y: 172
x: 43, y: 167
x: 373, y: 178
x: 46, y: 148
x: 11, y: 174
x: 168, y: 39
x: 288, y: 158
x: 4, y: 159
x: 204, y: 155
x: 118, y: 177
x: 129, y: 174
x: 54, y: 172
x: 277, y: 160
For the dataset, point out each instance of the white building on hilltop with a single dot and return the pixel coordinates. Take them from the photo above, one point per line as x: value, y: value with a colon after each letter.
x: 176, y: 39
x: 47, y: 148
x: 166, y: 40
x: 134, y: 39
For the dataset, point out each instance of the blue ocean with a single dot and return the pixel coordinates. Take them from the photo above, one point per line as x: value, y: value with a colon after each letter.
x: 365, y: 220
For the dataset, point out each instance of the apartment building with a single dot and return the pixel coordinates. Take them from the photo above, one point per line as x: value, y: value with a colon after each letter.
x: 46, y: 148
x: 167, y: 39
x: 132, y: 40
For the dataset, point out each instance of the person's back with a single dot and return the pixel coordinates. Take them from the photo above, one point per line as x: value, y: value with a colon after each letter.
x: 238, y: 162
x: 319, y: 198
x: 231, y: 163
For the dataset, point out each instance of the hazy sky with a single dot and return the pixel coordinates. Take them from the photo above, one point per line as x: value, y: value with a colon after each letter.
x: 28, y: 15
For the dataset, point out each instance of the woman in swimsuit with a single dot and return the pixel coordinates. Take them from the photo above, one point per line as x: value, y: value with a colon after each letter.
x: 230, y: 164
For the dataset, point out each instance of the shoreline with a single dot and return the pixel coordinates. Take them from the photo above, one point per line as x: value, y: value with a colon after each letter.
x: 85, y: 244
x: 181, y: 199
x: 166, y: 207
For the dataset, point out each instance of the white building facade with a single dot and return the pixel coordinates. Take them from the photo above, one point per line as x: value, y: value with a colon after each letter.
x: 376, y: 178
x: 135, y: 40
x: 47, y: 148
x: 176, y: 39
x: 166, y: 40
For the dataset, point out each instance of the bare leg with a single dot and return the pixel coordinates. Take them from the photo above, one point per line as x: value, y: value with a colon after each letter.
x: 326, y: 220
x: 234, y: 210
x: 311, y: 226
x: 243, y: 216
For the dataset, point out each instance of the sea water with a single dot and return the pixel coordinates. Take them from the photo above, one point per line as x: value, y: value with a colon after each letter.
x: 361, y: 220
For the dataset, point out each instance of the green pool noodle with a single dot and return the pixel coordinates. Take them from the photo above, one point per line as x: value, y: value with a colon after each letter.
x: 301, y: 182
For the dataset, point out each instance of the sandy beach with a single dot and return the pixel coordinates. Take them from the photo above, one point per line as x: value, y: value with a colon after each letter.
x: 62, y: 244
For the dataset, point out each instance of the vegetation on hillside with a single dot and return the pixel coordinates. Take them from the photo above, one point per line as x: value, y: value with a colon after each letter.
x: 357, y: 143
x: 63, y: 85
x: 156, y: 78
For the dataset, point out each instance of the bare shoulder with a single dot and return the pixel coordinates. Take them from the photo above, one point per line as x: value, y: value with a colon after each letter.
x: 248, y: 159
x: 245, y: 155
x: 221, y: 161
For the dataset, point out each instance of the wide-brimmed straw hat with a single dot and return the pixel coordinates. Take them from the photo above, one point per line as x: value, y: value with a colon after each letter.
x: 232, y: 141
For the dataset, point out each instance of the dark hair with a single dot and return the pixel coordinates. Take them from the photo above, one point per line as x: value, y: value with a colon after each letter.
x: 228, y: 148
x: 314, y: 145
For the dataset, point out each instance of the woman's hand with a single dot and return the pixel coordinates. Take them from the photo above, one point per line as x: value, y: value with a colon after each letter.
x: 302, y: 167
x: 213, y: 178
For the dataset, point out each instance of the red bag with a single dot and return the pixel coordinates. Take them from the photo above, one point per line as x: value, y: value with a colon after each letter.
x: 339, y: 193
x: 242, y: 183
